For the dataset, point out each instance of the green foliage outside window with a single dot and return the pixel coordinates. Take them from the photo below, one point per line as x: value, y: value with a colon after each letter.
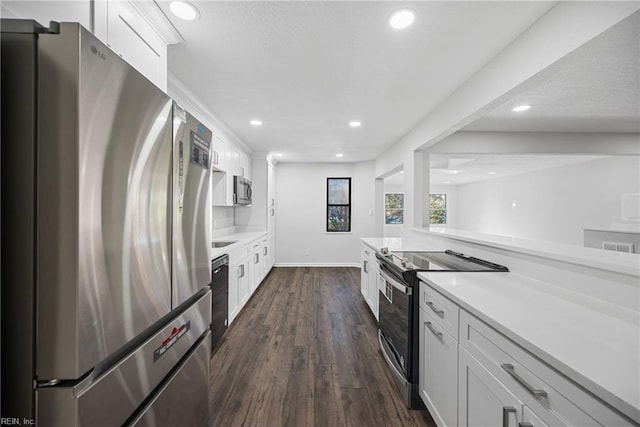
x: 437, y: 208
x: 394, y: 208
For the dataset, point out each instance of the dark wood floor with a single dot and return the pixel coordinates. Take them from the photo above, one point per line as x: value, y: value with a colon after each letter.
x: 304, y: 352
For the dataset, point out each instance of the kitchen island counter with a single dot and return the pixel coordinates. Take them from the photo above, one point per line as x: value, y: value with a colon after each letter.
x: 594, y: 343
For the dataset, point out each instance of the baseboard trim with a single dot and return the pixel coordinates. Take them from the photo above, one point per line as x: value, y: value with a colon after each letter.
x: 316, y: 264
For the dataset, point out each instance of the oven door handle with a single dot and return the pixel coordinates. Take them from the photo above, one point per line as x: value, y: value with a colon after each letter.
x: 399, y: 286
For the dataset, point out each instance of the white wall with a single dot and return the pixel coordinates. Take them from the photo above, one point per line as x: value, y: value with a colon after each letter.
x: 301, y: 219
x: 45, y: 11
x: 553, y: 204
x: 223, y: 217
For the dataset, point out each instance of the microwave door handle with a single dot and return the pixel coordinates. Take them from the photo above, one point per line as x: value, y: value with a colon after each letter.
x: 248, y: 192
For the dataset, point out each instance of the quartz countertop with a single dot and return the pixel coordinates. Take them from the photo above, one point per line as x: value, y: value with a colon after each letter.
x: 397, y: 244
x: 240, y: 238
x: 594, y: 343
x: 594, y: 258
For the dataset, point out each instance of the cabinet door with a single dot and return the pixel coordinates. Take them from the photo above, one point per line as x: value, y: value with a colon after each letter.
x: 218, y: 158
x: 483, y: 401
x: 529, y: 419
x: 244, y: 290
x: 438, y: 370
x: 270, y: 253
x: 254, y: 261
x: 271, y: 200
x: 134, y: 39
x: 235, y: 272
x: 245, y: 166
x: 364, y: 275
x: 373, y: 284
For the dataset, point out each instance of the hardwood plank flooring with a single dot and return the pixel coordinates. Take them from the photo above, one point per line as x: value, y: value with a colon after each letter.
x: 304, y: 352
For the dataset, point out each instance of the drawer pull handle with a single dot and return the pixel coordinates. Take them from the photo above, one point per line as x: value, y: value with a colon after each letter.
x: 433, y: 331
x: 525, y: 424
x: 506, y: 410
x: 435, y: 310
x: 509, y: 369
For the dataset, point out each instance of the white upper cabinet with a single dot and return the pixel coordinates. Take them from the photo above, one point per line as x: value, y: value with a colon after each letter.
x: 218, y: 159
x: 129, y: 34
x: 121, y: 25
x: 245, y: 166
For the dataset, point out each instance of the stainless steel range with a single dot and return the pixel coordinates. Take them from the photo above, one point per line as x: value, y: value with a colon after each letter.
x: 398, y: 309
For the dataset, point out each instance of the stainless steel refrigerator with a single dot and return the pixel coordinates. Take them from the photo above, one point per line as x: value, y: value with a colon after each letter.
x: 105, y: 270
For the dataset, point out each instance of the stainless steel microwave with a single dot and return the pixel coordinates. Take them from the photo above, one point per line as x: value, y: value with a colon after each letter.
x: 241, y: 191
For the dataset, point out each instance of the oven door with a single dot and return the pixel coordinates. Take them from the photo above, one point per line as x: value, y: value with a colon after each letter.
x: 395, y: 310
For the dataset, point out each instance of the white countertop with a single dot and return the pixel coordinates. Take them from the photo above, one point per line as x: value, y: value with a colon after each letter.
x: 596, y: 344
x: 595, y: 258
x: 397, y: 244
x: 240, y: 238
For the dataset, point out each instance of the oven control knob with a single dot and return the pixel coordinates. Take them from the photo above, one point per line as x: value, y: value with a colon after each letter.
x: 384, y: 251
x: 404, y: 262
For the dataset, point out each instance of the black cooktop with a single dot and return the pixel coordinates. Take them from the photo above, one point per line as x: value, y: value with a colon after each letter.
x: 439, y: 261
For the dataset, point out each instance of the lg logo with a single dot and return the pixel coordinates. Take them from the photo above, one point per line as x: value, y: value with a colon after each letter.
x: 96, y: 51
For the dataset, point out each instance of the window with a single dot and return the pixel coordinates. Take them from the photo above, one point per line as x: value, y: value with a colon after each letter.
x: 394, y: 208
x: 437, y: 208
x: 338, y: 204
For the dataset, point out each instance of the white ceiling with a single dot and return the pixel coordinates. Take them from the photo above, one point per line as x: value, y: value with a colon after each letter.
x: 306, y: 69
x: 596, y: 88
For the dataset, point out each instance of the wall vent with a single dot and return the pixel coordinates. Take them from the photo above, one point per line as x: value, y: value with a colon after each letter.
x: 618, y: 247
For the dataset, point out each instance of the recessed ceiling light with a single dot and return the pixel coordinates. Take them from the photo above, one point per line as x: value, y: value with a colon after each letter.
x: 492, y: 173
x: 339, y: 155
x: 184, y: 10
x: 520, y: 108
x: 278, y: 154
x: 256, y: 122
x: 355, y: 124
x: 447, y: 182
x: 401, y: 172
x: 402, y: 18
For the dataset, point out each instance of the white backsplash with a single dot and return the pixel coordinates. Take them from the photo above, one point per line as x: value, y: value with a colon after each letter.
x: 223, y: 217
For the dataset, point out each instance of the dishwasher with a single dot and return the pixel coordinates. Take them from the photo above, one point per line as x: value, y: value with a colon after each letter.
x: 220, y: 299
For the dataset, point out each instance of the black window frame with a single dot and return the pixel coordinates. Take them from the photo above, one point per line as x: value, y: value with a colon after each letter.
x: 348, y: 205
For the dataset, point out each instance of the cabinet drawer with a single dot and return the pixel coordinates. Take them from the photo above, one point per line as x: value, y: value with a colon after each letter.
x: 366, y: 250
x: 438, y: 370
x: 445, y: 311
x: 549, y: 394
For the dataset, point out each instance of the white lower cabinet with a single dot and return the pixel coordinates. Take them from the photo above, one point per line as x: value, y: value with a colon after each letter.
x: 374, y: 269
x: 364, y: 273
x: 238, y: 285
x: 248, y: 266
x: 255, y: 266
x: 369, y: 278
x: 529, y: 419
x: 499, y: 383
x: 438, y: 370
x: 483, y: 401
